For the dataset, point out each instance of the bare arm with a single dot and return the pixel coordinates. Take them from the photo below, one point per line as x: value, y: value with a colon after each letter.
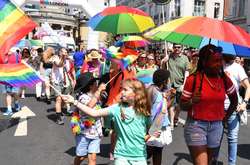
x: 86, y: 109
x: 233, y: 104
x: 243, y: 105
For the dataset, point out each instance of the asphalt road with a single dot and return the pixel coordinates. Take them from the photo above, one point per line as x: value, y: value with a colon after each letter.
x: 52, y: 144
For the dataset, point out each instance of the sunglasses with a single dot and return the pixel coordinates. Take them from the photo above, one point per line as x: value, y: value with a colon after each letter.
x: 177, y: 47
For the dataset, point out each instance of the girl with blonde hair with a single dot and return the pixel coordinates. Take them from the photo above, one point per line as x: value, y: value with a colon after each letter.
x: 131, y: 120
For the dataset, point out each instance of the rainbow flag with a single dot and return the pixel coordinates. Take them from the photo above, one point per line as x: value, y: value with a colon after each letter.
x: 126, y: 61
x: 14, y: 25
x: 124, y: 58
x: 18, y: 75
x: 109, y: 54
x: 145, y: 75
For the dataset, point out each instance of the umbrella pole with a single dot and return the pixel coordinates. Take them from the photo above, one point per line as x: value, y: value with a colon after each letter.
x: 209, y: 42
x: 42, y: 78
x: 113, y: 77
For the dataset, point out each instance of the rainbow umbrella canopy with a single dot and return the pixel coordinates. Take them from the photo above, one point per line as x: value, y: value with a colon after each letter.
x: 121, y: 20
x: 29, y: 43
x: 196, y: 31
x: 135, y: 41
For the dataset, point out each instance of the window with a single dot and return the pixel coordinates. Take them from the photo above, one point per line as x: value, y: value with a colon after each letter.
x: 242, y: 8
x: 177, y: 7
x: 216, y: 10
x: 199, y: 8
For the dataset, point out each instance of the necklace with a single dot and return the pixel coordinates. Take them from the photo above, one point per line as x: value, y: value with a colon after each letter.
x: 216, y: 86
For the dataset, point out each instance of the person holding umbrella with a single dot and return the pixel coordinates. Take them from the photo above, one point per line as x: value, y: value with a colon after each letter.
x: 203, y: 97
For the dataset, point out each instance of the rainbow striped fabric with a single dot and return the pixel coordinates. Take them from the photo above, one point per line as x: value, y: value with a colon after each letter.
x: 145, y: 75
x: 124, y: 59
x: 14, y: 25
x: 18, y: 75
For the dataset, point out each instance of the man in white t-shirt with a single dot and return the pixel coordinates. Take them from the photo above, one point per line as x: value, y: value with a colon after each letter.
x: 63, y: 79
x: 239, y: 77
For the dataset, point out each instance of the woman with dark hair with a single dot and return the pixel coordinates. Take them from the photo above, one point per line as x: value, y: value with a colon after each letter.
x: 203, y: 97
x: 26, y: 58
x: 88, y: 138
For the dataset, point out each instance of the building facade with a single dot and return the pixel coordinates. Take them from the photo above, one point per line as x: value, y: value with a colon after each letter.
x: 68, y: 17
x: 178, y: 8
x: 238, y: 13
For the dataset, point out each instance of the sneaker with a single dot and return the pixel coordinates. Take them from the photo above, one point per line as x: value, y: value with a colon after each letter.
x: 17, y: 107
x: 60, y: 121
x: 8, y: 112
x: 48, y: 101
x: 38, y: 99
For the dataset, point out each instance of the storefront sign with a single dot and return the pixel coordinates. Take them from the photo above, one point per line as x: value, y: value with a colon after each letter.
x: 54, y: 2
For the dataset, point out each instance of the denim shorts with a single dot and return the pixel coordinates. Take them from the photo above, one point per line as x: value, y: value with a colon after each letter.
x: 124, y: 161
x: 10, y: 89
x: 85, y: 146
x: 198, y: 133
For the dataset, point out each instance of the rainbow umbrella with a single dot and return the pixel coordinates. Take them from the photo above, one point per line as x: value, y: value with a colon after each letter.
x: 29, y: 43
x: 135, y: 41
x: 121, y: 20
x: 196, y: 31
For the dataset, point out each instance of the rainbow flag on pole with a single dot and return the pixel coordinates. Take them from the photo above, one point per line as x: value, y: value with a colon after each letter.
x: 14, y: 25
x: 18, y: 75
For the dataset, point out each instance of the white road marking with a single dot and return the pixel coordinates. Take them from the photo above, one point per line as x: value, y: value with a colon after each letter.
x: 23, y: 114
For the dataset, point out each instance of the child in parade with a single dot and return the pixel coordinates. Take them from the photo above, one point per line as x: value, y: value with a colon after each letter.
x: 203, y: 97
x: 88, y: 138
x: 157, y: 96
x: 131, y: 118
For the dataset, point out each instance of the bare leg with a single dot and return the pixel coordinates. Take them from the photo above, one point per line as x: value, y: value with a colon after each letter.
x: 58, y: 104
x: 92, y: 159
x: 8, y: 100
x: 47, y: 90
x: 78, y: 160
x: 213, y: 155
x: 171, y: 115
x: 176, y: 115
x: 199, y: 154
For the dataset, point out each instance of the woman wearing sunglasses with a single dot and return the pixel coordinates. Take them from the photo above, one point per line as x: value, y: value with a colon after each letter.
x: 203, y: 97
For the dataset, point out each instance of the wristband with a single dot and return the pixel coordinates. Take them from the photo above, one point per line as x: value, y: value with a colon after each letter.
x: 75, y: 102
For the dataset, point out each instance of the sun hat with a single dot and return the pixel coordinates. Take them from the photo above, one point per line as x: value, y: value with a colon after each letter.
x: 94, y: 54
x: 84, y: 80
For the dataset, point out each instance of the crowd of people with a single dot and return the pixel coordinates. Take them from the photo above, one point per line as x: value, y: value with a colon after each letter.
x: 99, y: 93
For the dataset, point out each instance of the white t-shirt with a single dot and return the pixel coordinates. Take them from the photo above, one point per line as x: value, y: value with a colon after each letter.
x: 57, y: 73
x: 94, y: 131
x: 237, y: 74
